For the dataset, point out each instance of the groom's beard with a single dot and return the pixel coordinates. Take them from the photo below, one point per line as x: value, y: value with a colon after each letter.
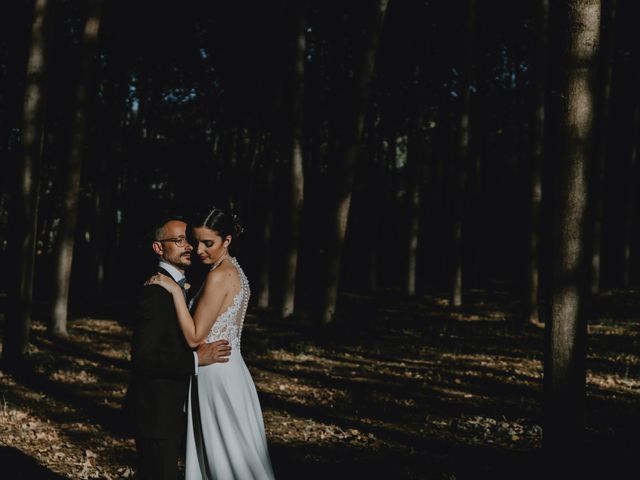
x: 183, y: 261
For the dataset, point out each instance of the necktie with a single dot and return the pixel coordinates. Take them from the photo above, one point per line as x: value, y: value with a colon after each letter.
x: 181, y: 282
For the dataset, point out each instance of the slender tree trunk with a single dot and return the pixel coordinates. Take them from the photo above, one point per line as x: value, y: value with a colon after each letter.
x: 415, y: 158
x: 227, y: 159
x: 632, y: 177
x: 24, y: 200
x: 565, y: 352
x: 97, y: 255
x: 264, y: 291
x: 273, y: 146
x: 132, y: 195
x: 608, y: 48
x: 297, y: 174
x: 442, y: 204
x: 104, y: 224
x: 462, y: 159
x: 63, y: 257
x: 414, y: 230
x: 375, y: 186
x: 478, y: 206
x: 532, y: 279
x: 343, y: 177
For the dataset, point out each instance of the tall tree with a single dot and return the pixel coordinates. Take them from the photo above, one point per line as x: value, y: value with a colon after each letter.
x: 606, y: 75
x: 344, y: 164
x: 63, y: 255
x: 24, y: 200
x: 565, y: 352
x: 531, y: 285
x: 296, y: 163
x: 264, y: 292
x: 462, y: 159
x: 106, y: 165
x: 629, y: 211
x: 377, y: 176
x: 416, y: 157
x: 274, y: 142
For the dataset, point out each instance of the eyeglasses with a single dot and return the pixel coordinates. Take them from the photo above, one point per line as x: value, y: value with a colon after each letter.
x: 180, y: 241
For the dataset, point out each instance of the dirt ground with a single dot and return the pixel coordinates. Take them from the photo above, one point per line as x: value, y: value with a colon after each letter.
x: 402, y: 389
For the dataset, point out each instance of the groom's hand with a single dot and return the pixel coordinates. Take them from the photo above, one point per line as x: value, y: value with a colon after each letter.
x: 216, y: 352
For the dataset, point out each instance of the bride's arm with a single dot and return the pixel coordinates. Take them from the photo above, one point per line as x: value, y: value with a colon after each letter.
x: 195, y: 329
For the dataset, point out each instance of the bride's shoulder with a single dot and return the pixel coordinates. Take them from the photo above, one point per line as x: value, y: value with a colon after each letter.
x: 222, y: 275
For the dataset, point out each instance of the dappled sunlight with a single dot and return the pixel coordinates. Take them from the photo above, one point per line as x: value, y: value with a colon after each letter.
x: 414, y: 387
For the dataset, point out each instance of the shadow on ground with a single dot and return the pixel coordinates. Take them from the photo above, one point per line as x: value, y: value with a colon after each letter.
x: 18, y: 466
x: 397, y: 389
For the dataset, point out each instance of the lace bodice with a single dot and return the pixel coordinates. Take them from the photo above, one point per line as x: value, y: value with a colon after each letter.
x: 229, y: 323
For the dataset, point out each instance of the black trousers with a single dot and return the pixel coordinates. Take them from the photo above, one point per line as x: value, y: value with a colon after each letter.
x: 158, y: 458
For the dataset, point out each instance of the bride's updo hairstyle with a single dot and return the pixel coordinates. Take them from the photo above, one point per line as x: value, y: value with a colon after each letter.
x: 219, y: 221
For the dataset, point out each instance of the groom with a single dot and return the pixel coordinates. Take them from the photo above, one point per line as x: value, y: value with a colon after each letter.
x: 163, y: 362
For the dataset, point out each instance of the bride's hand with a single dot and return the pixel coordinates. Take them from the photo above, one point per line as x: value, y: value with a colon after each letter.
x: 164, y: 281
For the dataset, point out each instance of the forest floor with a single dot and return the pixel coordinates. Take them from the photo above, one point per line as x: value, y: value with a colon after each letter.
x: 404, y: 389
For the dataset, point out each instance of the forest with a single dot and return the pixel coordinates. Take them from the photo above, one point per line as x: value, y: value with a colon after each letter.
x: 440, y: 231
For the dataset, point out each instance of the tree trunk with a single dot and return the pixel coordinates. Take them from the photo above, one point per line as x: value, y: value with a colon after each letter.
x: 106, y: 166
x: 273, y: 146
x: 462, y: 159
x: 414, y: 230
x: 297, y: 174
x: 632, y: 176
x: 415, y: 158
x: 565, y: 352
x: 24, y: 200
x: 608, y: 49
x: 532, y: 279
x: 375, y: 185
x: 442, y: 187
x: 478, y: 204
x: 343, y: 177
x: 63, y: 256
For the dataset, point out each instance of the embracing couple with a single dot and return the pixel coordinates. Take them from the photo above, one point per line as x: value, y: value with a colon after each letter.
x: 186, y: 359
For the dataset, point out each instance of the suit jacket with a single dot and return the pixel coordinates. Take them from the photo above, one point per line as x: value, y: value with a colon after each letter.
x: 162, y: 363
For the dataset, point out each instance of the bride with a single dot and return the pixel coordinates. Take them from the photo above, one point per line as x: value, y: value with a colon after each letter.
x: 225, y: 433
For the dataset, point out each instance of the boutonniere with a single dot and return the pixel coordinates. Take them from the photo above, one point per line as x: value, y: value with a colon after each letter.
x: 187, y: 286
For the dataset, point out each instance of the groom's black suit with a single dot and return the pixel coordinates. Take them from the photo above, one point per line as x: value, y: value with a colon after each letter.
x: 162, y: 364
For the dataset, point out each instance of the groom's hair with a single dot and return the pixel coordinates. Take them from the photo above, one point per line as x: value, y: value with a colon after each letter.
x: 159, y: 223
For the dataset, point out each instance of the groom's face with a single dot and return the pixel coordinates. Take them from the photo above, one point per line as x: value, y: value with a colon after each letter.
x: 169, y: 249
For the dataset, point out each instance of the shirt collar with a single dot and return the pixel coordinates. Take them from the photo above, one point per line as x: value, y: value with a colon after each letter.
x: 176, y: 274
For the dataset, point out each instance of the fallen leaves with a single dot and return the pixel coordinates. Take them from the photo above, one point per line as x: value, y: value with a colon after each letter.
x: 397, y: 389
x: 69, y: 377
x: 518, y: 433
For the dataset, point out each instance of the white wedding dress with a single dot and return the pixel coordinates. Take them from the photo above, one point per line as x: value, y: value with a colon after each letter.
x: 225, y: 433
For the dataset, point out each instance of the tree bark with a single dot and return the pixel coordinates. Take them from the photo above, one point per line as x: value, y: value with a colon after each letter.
x: 24, y: 200
x: 565, y: 352
x: 462, y: 158
x: 532, y: 279
x: 63, y: 256
x: 345, y: 162
x: 632, y: 176
x: 376, y: 176
x: 608, y: 48
x: 296, y: 174
x: 107, y: 167
x: 416, y: 156
x: 264, y: 291
x: 273, y: 145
